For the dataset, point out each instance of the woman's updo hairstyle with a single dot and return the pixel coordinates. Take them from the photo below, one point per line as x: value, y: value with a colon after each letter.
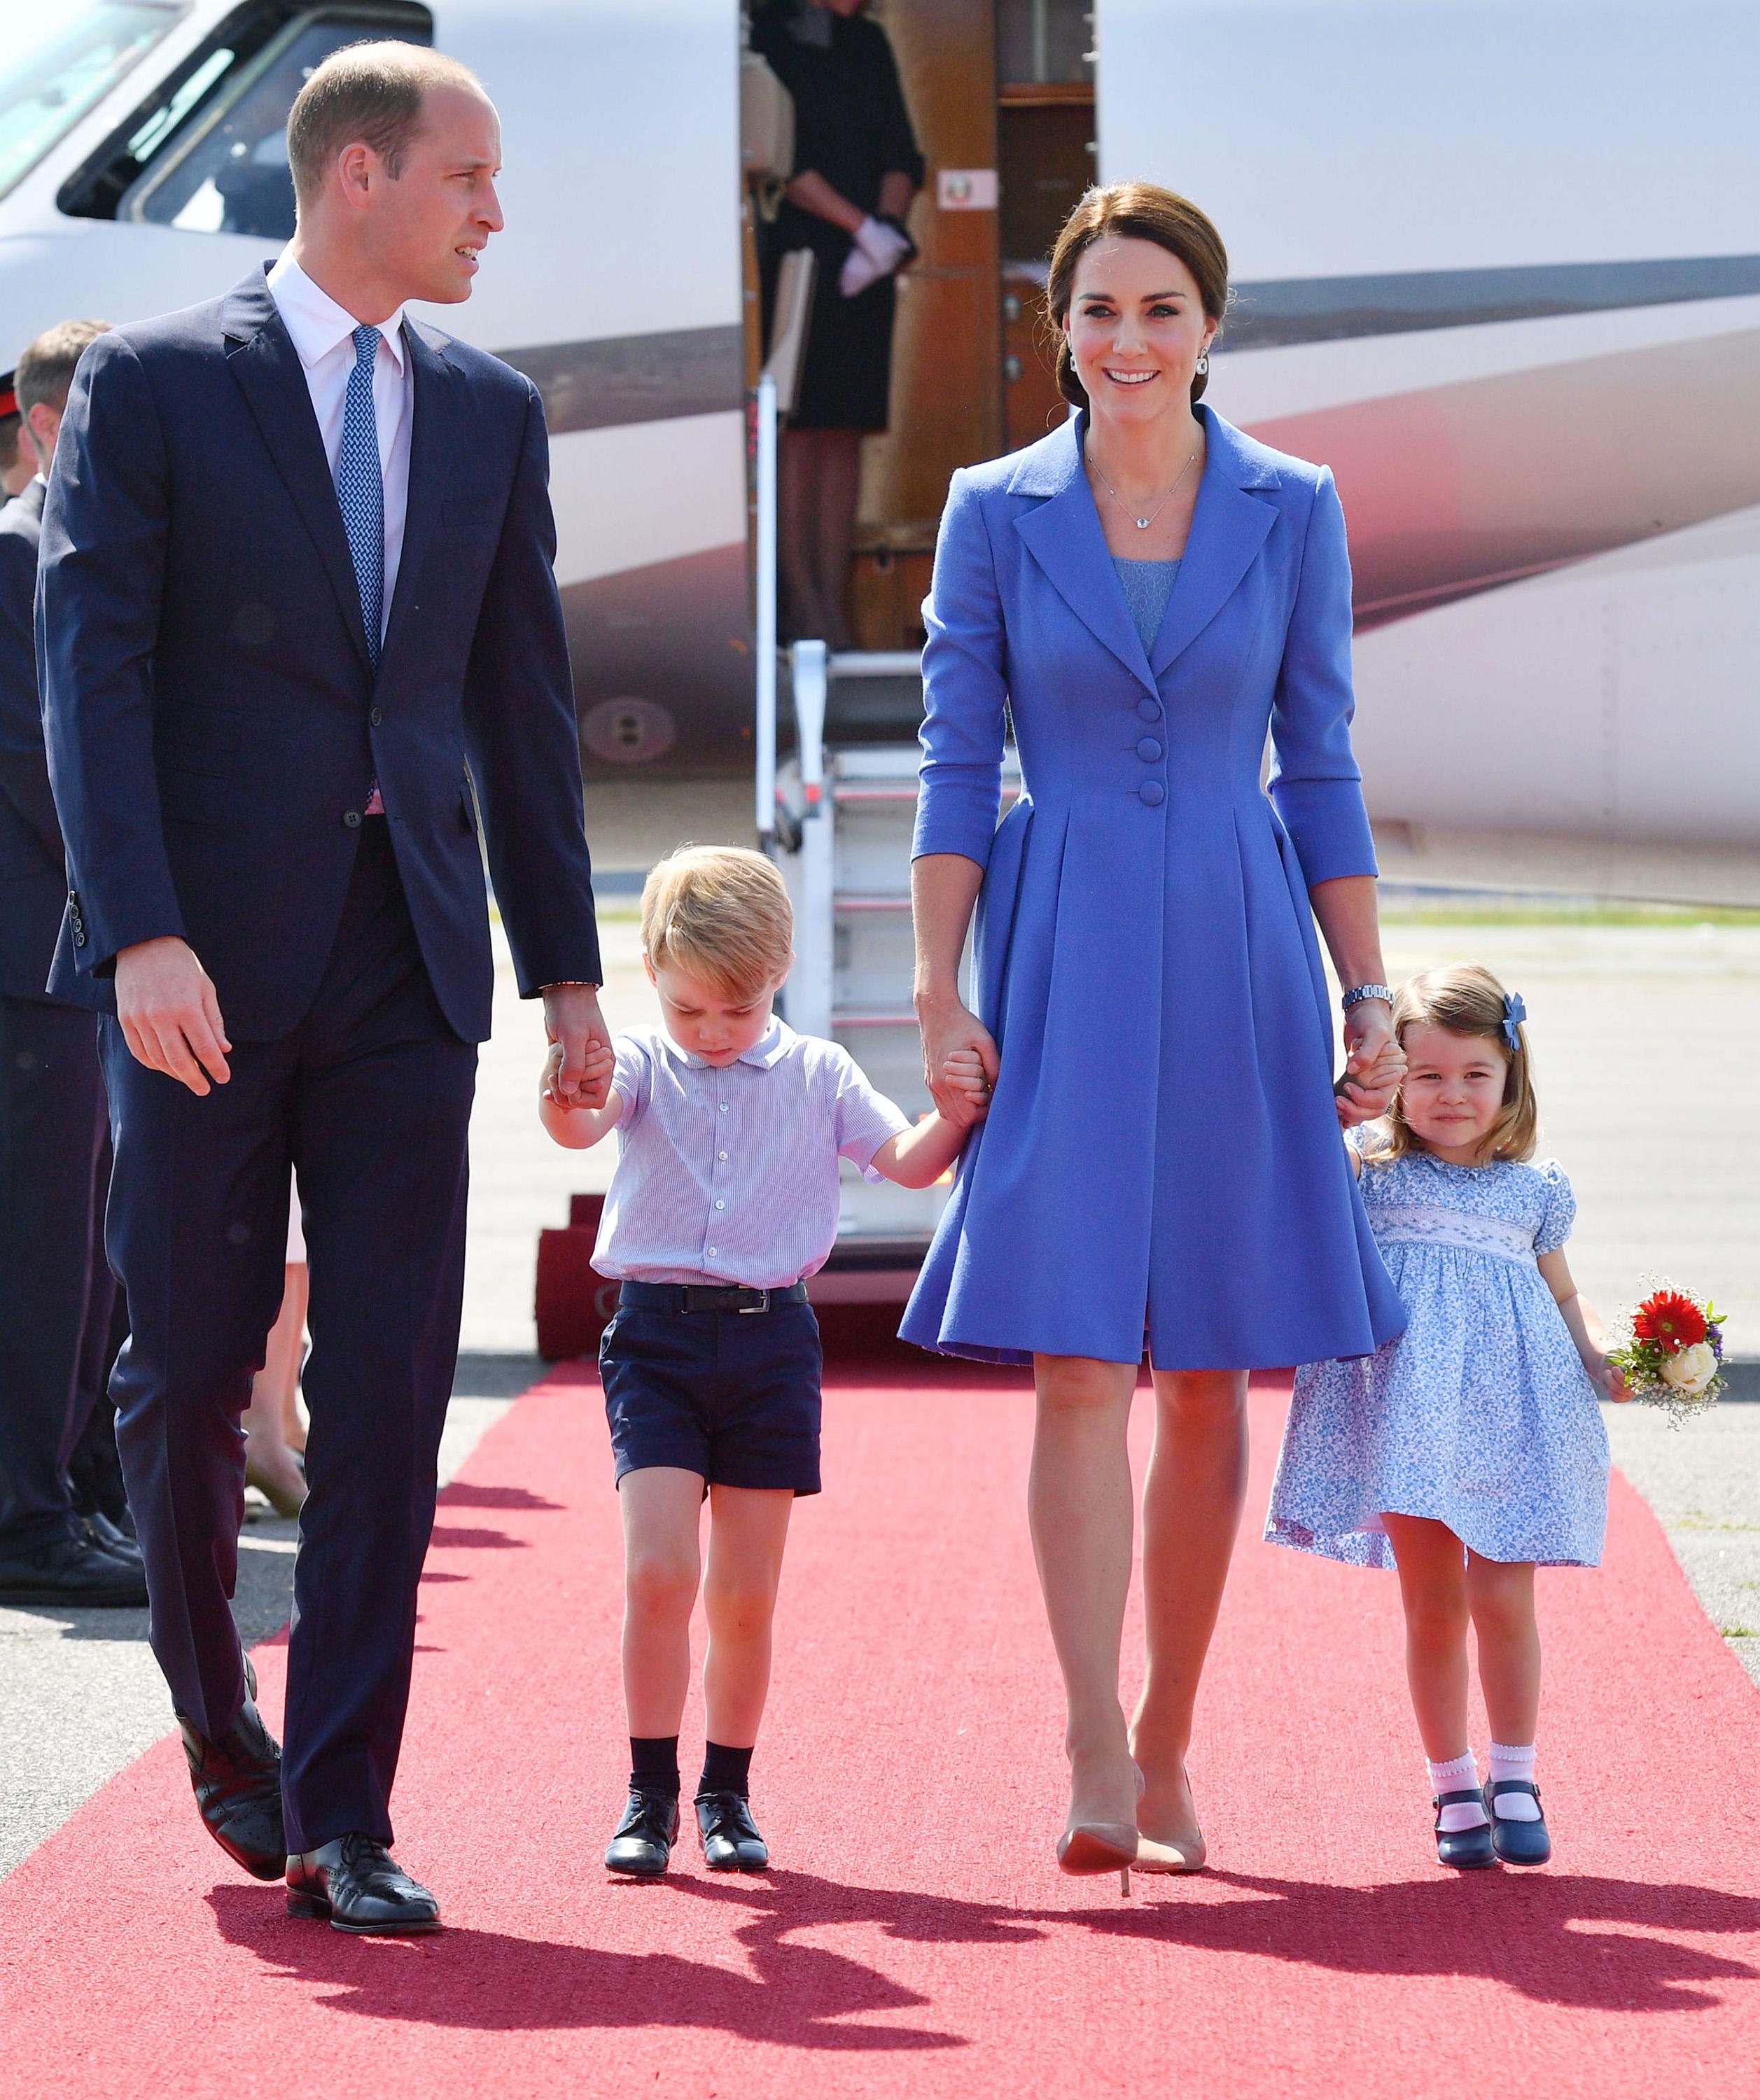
x: 1133, y: 211
x: 1465, y: 999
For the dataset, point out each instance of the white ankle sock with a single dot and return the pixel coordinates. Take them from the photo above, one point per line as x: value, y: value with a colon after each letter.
x: 1513, y: 1761
x: 1456, y: 1775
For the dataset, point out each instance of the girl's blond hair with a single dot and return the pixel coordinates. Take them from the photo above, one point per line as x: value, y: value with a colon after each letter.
x: 721, y: 913
x: 1465, y: 999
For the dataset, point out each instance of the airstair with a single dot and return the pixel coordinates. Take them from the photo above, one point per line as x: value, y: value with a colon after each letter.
x: 842, y: 813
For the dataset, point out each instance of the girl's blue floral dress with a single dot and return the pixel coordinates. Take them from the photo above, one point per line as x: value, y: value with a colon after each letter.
x: 1481, y: 1414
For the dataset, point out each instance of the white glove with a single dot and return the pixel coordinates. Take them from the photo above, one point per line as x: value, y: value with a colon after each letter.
x: 877, y: 251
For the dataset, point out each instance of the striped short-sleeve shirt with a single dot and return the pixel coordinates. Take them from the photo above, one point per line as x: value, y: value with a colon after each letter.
x: 728, y: 1174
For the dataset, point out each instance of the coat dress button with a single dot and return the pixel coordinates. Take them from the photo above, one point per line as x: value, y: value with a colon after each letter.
x: 1153, y: 793
x: 1147, y: 750
x: 1149, y: 710
x: 351, y: 818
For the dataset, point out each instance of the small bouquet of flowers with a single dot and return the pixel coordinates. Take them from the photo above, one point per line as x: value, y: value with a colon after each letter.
x: 1670, y: 1349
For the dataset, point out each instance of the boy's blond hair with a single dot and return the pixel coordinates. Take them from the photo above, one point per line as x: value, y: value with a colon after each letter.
x: 721, y: 913
x: 1465, y: 999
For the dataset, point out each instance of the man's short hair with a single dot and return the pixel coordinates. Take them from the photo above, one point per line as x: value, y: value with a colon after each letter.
x: 45, y: 369
x: 722, y: 914
x: 371, y: 91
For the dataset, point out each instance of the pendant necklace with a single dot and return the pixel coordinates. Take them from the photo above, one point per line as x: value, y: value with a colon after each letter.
x: 1143, y: 524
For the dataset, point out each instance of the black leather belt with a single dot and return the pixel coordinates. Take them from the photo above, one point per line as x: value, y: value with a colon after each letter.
x: 708, y: 1297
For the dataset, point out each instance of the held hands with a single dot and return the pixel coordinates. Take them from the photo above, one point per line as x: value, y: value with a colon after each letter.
x: 169, y: 1013
x: 968, y: 1088
x: 575, y: 1026
x: 1374, y: 1063
x: 596, y: 1068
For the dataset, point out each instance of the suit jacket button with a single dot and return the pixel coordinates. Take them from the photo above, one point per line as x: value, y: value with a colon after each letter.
x: 1153, y: 793
x: 351, y: 818
x: 376, y: 718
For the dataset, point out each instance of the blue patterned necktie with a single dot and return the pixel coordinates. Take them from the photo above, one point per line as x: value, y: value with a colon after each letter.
x: 360, y: 488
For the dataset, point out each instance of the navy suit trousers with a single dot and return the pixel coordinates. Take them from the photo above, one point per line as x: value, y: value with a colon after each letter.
x: 56, y: 1288
x: 369, y: 1096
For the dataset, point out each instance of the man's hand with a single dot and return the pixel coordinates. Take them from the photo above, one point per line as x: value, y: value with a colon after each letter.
x: 572, y: 1020
x: 169, y: 1013
x: 599, y: 1065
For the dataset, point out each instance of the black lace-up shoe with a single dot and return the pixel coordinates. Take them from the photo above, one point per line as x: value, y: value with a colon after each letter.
x: 355, y: 1883
x: 238, y: 1787
x: 731, y: 1843
x: 642, y: 1843
x: 110, y: 1538
x: 72, y: 1570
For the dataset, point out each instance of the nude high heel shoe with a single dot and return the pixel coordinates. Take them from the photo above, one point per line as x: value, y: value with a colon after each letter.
x: 1102, y: 1848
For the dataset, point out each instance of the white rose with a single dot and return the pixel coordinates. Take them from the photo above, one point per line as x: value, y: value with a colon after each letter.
x: 1693, y: 1370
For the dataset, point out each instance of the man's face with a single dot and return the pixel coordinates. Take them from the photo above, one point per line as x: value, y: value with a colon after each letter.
x: 425, y: 229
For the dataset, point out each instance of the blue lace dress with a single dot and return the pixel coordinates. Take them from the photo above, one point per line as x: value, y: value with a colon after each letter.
x: 1481, y: 1414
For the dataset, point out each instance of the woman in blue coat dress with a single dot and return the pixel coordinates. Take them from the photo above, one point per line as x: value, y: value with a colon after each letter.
x: 1142, y: 594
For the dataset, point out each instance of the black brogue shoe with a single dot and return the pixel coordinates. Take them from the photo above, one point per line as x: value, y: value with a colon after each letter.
x: 355, y: 1883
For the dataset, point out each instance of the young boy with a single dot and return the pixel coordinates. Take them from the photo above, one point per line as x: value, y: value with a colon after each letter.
x: 724, y: 1201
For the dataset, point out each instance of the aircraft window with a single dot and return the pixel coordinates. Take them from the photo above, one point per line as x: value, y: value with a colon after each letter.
x: 225, y: 171
x: 55, y: 70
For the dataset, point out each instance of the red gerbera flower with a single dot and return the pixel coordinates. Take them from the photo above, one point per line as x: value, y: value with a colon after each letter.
x: 1670, y: 1320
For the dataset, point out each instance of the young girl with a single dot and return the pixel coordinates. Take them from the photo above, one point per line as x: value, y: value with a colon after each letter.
x: 1471, y: 1448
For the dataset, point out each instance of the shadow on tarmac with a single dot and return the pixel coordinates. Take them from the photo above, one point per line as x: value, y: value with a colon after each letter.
x: 1530, y: 1933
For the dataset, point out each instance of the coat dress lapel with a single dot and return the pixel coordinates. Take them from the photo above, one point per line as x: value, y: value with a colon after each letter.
x: 266, y: 366
x: 1228, y: 527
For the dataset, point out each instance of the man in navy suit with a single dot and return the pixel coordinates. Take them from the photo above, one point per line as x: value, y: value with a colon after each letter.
x: 296, y: 571
x: 57, y: 1291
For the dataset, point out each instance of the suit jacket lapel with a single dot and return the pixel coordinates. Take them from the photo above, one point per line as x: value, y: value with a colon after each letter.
x: 1068, y: 542
x: 435, y: 442
x: 1228, y: 527
x: 267, y: 369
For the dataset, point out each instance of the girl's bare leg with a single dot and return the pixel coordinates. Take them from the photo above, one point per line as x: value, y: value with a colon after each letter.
x: 1432, y: 1565
x: 662, y: 1509
x: 1192, y: 1503
x: 1079, y: 1508
x: 748, y: 1528
x: 1500, y: 1595
x: 269, y: 1462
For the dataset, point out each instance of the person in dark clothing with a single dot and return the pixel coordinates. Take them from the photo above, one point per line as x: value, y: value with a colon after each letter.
x: 56, y: 1292
x: 856, y: 168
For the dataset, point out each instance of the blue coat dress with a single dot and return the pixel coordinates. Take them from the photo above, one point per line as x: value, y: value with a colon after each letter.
x: 1162, y: 1150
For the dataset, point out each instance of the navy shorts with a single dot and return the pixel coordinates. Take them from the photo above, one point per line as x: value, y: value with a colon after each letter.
x: 732, y: 1396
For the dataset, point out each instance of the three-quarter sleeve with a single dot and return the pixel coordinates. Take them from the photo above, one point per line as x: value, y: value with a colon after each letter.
x: 899, y: 155
x: 964, y: 687
x: 1315, y: 783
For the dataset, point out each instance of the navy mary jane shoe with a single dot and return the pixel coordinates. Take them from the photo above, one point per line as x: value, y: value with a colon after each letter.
x: 1463, y: 1848
x: 1518, y: 1844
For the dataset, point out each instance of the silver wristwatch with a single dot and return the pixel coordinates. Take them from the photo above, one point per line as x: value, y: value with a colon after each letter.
x: 1358, y: 993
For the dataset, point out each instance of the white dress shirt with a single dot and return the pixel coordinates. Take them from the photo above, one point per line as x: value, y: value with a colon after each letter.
x: 322, y: 334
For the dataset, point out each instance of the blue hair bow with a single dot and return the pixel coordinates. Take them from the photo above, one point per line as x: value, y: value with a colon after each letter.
x: 1515, y: 1013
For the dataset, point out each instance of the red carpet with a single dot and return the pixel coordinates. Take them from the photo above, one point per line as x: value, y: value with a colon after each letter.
x: 917, y: 1938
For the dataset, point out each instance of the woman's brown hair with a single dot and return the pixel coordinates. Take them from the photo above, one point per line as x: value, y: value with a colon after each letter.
x: 1465, y: 999
x: 1133, y: 211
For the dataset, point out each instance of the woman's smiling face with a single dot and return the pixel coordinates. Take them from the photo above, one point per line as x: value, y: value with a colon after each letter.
x: 1137, y: 327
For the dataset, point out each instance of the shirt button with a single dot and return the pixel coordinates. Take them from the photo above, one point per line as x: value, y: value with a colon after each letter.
x: 723, y: 1108
x: 721, y: 1155
x: 1147, y: 750
x: 351, y: 818
x: 1149, y: 710
x: 1152, y: 793
x: 714, y: 1251
x: 719, y: 1204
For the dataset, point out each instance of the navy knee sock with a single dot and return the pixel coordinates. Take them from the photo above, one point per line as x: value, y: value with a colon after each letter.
x: 654, y: 1763
x: 725, y: 1771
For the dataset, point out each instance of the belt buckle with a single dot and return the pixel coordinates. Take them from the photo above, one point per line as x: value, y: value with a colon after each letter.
x: 762, y: 1306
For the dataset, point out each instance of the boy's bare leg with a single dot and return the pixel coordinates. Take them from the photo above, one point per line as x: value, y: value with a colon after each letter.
x: 662, y: 1507
x: 748, y: 1527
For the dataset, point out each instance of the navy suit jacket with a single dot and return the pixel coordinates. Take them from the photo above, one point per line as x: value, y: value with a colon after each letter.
x: 214, y: 720
x: 33, y: 870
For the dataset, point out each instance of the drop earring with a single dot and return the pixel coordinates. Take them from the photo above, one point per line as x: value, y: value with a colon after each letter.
x: 1203, y: 364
